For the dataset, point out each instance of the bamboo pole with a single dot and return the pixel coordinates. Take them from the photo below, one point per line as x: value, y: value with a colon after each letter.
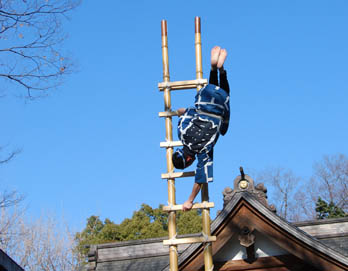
x: 194, y: 206
x: 208, y: 258
x: 173, y: 249
x: 198, y: 47
x: 170, y: 144
x: 168, y: 114
x: 177, y: 85
x: 177, y: 175
x: 190, y: 240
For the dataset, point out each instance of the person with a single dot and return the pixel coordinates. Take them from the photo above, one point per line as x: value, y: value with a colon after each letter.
x: 199, y: 127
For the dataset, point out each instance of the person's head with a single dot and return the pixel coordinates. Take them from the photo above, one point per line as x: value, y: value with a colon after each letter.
x: 182, y: 159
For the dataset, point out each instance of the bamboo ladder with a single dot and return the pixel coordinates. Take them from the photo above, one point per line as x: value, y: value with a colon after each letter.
x: 166, y: 86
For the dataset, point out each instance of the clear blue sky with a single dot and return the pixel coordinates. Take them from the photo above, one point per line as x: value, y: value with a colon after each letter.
x: 92, y: 146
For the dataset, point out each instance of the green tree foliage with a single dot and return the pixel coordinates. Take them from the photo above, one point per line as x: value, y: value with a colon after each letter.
x: 145, y: 223
x: 325, y: 210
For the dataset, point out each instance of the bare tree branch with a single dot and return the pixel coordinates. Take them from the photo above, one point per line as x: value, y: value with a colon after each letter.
x: 9, y: 156
x: 331, y: 180
x: 296, y: 200
x: 8, y: 199
x: 39, y: 245
x: 283, y: 186
x: 31, y: 56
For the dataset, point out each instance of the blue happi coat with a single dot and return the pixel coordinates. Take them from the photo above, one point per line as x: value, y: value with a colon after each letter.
x: 200, y: 126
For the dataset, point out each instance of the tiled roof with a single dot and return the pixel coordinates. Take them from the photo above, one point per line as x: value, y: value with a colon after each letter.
x: 329, y: 236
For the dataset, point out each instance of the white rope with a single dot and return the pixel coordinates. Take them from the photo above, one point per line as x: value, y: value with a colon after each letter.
x: 174, y: 237
x: 205, y: 236
x: 207, y: 245
x: 166, y: 85
x: 201, y: 81
x: 205, y: 205
x: 170, y: 205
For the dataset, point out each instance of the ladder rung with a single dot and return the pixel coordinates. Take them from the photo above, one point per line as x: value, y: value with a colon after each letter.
x: 182, y: 84
x: 177, y: 175
x: 202, y: 205
x: 168, y: 114
x: 190, y: 240
x: 169, y: 144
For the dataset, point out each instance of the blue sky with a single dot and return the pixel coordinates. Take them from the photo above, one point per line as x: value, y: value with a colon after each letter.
x: 92, y: 146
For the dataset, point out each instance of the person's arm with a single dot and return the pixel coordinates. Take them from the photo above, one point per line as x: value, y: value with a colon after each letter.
x: 188, y: 204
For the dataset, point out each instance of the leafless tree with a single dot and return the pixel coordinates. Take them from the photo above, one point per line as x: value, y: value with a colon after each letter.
x: 39, y: 245
x: 283, y: 186
x: 31, y: 55
x: 9, y: 198
x: 330, y: 180
x: 296, y: 200
x: 305, y: 202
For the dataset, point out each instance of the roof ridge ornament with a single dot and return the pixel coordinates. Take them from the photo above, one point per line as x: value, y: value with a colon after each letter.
x: 244, y: 183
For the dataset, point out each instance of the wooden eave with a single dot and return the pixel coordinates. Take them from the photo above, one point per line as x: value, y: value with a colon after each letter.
x: 244, y: 210
x: 272, y: 263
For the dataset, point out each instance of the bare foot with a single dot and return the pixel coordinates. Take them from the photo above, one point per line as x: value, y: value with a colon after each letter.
x: 222, y: 58
x: 181, y: 111
x: 187, y: 205
x: 215, y: 52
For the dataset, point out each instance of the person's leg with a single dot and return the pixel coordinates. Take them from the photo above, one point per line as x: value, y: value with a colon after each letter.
x: 213, y: 77
x: 223, y: 76
x: 204, y: 171
x: 204, y: 174
x: 223, y: 81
